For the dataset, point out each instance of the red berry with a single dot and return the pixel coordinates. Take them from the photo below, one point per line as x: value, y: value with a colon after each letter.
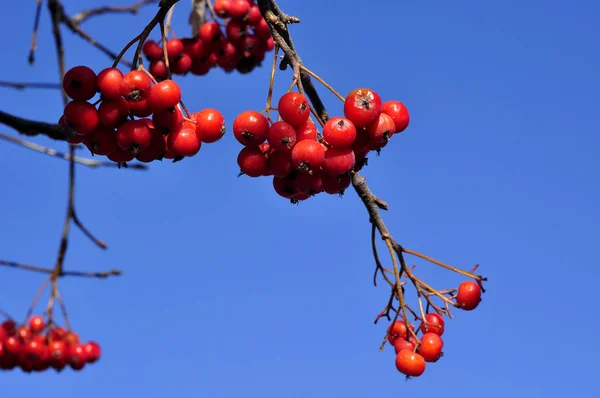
x: 431, y: 347
x: 71, y: 338
x: 252, y: 162
x: 163, y: 95
x: 152, y: 50
x: 339, y: 132
x: 34, y: 350
x: 57, y: 333
x: 434, y: 323
x: 103, y: 141
x: 155, y: 149
x: 410, y: 363
x: 83, y: 116
x: 158, y: 69
x: 468, y: 296
x: 221, y: 8
x: 210, y: 125
x: 109, y: 83
x: 336, y: 185
x: 403, y: 344
x: 283, y: 186
x: 398, y: 330
x: 262, y: 29
x: 281, y: 136
x: 92, y: 351
x: 235, y: 30
x: 168, y: 120
x: 139, y: 108
x: 210, y: 31
x: 79, y: 83
x: 361, y: 142
x: 9, y: 326
x: 308, y: 155
x: 113, y: 113
x: 58, y: 354
x: 398, y: 113
x: 308, y: 183
x: 380, y: 131
x: 306, y: 131
x: 133, y: 136
x: 174, y: 48
x: 338, y: 161
x: 293, y: 108
x: 250, y: 128
x: 280, y: 163
x: 182, y: 64
x: 136, y: 86
x: 184, y: 142
x: 254, y: 15
x: 362, y: 106
x: 77, y: 357
x: 238, y: 9
x: 120, y: 155
x: 13, y: 345
x: 36, y: 324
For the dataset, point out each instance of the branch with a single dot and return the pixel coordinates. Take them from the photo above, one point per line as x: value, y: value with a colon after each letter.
x: 49, y: 271
x: 134, y: 8
x: 61, y: 155
x: 21, y: 86
x: 33, y: 128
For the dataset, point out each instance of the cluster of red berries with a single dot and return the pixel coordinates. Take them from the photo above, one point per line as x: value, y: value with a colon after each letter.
x: 412, y: 355
x: 112, y: 130
x: 303, y: 162
x: 241, y: 46
x: 38, y: 347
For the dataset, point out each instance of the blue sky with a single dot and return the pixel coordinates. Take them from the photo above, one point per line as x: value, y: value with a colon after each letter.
x: 230, y: 290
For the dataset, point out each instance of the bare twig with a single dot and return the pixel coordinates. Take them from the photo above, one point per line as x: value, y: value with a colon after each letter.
x: 134, y: 8
x: 36, y: 25
x: 49, y: 271
x: 24, y: 85
x: 32, y: 127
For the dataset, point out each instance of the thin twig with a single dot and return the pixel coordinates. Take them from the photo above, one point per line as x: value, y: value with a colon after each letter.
x: 33, y: 127
x: 24, y: 85
x: 49, y: 271
x: 134, y: 8
x: 36, y: 25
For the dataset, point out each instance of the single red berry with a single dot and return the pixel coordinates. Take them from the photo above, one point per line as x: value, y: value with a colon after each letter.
x: 361, y: 142
x: 262, y: 29
x: 283, y: 186
x: 281, y: 136
x: 83, y: 116
x: 308, y: 155
x: 182, y: 64
x: 103, y: 141
x: 468, y: 296
x: 398, y: 113
x: 202, y: 49
x: 57, y: 333
x: 362, y: 106
x: 133, y: 136
x: 210, y: 31
x: 158, y: 69
x: 252, y: 162
x: 380, y: 131
x: 163, y: 95
x: 9, y: 326
x: 210, y: 125
x: 221, y: 8
x: 120, y: 155
x: 254, y: 15
x: 250, y: 128
x: 71, y: 338
x: 335, y: 185
x: 293, y: 108
x: 13, y: 345
x: 397, y: 330
x: 77, y: 357
x: 139, y: 108
x: 152, y: 50
x: 36, y: 324
x: 410, y: 363
x: 109, y: 83
x: 227, y: 55
x: 174, y: 48
x: 306, y: 131
x: 403, y: 344
x: 431, y: 347
x: 79, y: 83
x: 308, y: 183
x: 338, y: 161
x: 168, y: 120
x: 339, y: 132
x: 434, y: 323
x: 184, y: 142
x: 34, y: 351
x: 24, y: 334
x: 280, y: 163
x: 239, y: 9
x: 92, y: 351
x: 58, y: 354
x: 155, y: 149
x: 113, y: 113
x: 236, y: 30
x: 136, y: 86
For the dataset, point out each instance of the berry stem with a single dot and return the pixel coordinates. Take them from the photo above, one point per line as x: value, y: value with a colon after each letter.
x: 441, y: 264
x: 323, y: 82
x: 163, y: 37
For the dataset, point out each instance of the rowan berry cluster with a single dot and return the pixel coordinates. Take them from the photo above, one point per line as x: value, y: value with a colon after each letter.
x: 303, y: 162
x: 38, y: 347
x: 412, y: 354
x: 242, y: 45
x: 111, y: 129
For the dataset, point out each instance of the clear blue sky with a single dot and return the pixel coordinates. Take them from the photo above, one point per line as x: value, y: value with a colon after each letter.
x: 228, y: 290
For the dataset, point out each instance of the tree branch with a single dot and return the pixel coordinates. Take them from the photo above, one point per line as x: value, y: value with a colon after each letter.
x: 33, y: 128
x: 134, y: 8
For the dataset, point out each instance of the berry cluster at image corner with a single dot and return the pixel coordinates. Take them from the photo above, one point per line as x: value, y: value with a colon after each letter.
x: 413, y: 352
x: 36, y: 347
x: 304, y: 162
x: 135, y: 117
x: 237, y: 39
